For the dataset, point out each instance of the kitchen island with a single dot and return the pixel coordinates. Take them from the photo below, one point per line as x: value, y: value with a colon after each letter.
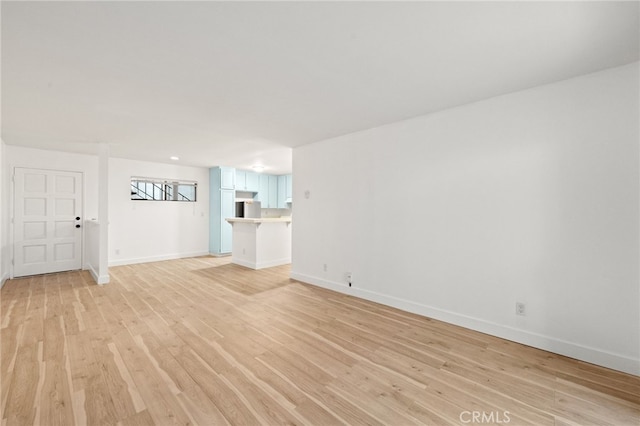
x: 261, y: 242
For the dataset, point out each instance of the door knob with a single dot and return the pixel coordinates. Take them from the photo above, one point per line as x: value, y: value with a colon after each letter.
x: 77, y: 226
x: 77, y: 217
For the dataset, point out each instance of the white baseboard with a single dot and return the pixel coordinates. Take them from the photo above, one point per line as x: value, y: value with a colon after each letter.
x: 99, y: 279
x: 160, y: 258
x: 3, y: 279
x: 584, y: 353
x: 262, y: 265
x: 219, y: 254
x: 272, y: 263
x: 244, y: 263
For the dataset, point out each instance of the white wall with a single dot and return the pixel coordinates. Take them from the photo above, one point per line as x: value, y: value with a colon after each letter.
x: 529, y: 197
x: 56, y: 160
x: 4, y: 216
x: 3, y: 272
x: 143, y: 231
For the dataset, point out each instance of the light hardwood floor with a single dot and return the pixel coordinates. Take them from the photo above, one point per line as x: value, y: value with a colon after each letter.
x: 202, y: 341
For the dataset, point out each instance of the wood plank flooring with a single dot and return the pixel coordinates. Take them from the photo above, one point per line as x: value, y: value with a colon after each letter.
x: 202, y: 341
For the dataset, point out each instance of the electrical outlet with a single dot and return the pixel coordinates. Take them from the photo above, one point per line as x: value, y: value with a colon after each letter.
x: 349, y: 277
x: 117, y: 252
x: 324, y: 267
x: 520, y: 308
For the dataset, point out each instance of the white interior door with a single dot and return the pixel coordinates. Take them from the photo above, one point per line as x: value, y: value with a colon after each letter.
x: 47, y: 221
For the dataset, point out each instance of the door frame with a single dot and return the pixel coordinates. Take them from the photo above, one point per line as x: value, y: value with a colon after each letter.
x: 12, y: 212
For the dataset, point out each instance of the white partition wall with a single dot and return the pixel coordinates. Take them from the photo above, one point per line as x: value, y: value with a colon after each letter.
x: 103, y: 215
x: 92, y: 248
x: 147, y: 231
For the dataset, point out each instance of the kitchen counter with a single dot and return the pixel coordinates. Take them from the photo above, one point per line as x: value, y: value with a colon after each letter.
x: 261, y: 242
x: 233, y: 220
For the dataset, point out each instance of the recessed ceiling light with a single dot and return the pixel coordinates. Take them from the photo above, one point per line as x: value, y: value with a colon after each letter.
x: 174, y: 158
x: 258, y: 169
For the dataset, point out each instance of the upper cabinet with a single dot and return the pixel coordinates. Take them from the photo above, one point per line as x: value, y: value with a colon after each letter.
x: 273, y: 191
x: 285, y: 191
x: 282, y: 191
x: 241, y: 180
x: 253, y: 182
x: 289, y: 189
x: 263, y: 191
x: 227, y: 177
x: 268, y: 192
x: 247, y: 181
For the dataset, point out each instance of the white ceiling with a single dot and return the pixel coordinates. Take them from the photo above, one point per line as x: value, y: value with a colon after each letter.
x: 239, y: 83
